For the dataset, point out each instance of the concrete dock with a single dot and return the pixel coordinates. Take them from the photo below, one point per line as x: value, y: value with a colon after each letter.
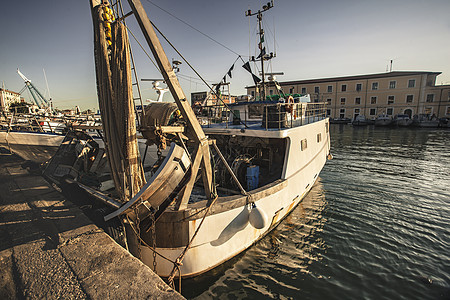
x: 50, y: 249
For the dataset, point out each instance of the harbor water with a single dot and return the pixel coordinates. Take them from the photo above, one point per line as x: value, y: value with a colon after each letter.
x: 375, y: 226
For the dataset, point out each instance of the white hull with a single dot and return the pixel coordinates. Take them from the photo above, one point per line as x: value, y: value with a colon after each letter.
x: 38, y: 147
x: 226, y: 231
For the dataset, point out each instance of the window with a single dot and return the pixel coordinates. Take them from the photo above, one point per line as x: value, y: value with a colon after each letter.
x: 390, y: 100
x: 271, y: 92
x: 430, y: 98
x: 329, y: 101
x: 448, y: 111
x: 303, y: 144
x: 303, y: 90
x: 330, y: 89
x: 343, y: 88
x: 373, y: 112
x: 291, y: 90
x: 358, y: 87
x: 373, y: 100
x: 319, y: 137
x: 342, y: 101
x: 411, y: 83
x: 342, y: 113
x: 357, y: 100
x: 428, y: 110
x: 328, y: 112
x: 316, y: 89
x: 374, y: 86
x: 392, y: 84
x: 409, y: 98
x: 390, y: 111
x: 252, y: 93
x: 356, y: 113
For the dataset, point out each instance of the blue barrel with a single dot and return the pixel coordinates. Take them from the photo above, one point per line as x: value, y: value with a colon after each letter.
x: 252, y: 177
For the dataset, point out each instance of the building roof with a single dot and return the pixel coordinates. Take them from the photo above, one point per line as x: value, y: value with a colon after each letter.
x: 357, y: 77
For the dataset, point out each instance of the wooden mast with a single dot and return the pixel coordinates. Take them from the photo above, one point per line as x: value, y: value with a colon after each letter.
x: 196, y: 132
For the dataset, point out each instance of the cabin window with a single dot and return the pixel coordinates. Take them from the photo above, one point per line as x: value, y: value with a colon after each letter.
x: 330, y: 89
x: 303, y: 90
x: 374, y: 86
x: 319, y: 137
x: 357, y: 100
x: 343, y: 88
x: 391, y: 100
x: 342, y: 101
x: 411, y: 83
x: 316, y: 89
x: 373, y: 100
x: 304, y: 144
x: 392, y: 84
x: 358, y: 87
x: 409, y: 98
x: 373, y: 112
x: 430, y: 98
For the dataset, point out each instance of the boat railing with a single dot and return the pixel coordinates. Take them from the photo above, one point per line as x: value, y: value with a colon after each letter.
x: 267, y: 115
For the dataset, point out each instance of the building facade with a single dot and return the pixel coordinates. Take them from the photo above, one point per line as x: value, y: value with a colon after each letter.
x: 6, y: 98
x: 398, y: 92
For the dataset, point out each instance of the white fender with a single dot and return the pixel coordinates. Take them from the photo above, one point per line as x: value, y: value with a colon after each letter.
x: 257, y: 217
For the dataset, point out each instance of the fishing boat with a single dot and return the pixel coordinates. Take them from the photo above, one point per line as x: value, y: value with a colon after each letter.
x: 220, y: 187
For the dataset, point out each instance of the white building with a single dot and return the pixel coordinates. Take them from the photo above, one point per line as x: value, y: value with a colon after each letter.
x: 6, y: 98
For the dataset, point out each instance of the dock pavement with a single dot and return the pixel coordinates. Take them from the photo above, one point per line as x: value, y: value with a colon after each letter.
x: 50, y: 249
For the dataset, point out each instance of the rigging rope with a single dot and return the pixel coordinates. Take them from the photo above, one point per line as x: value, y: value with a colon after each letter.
x: 187, y: 24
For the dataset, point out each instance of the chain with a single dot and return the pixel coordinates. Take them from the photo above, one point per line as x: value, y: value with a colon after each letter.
x: 152, y: 216
x: 138, y: 233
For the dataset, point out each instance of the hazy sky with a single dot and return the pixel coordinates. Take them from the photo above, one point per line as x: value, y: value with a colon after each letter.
x: 314, y: 39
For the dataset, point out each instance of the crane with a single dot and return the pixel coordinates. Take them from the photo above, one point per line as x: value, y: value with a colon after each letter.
x: 40, y: 100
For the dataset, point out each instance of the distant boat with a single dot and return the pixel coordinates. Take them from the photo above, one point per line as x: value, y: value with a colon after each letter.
x: 360, y: 120
x: 340, y: 120
x: 32, y: 138
x: 426, y: 121
x: 383, y: 120
x: 402, y: 120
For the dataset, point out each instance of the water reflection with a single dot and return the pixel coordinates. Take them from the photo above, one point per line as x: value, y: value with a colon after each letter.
x: 272, y: 266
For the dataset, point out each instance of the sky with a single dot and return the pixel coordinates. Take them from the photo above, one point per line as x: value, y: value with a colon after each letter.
x: 313, y: 39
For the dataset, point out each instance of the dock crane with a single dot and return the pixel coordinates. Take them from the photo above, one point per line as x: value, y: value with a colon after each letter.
x: 40, y: 100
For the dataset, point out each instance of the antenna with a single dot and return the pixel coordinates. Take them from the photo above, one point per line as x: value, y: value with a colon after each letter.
x: 262, y: 55
x: 46, y: 83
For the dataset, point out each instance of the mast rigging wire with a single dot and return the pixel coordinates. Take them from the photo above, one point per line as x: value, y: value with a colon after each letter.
x: 192, y: 27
